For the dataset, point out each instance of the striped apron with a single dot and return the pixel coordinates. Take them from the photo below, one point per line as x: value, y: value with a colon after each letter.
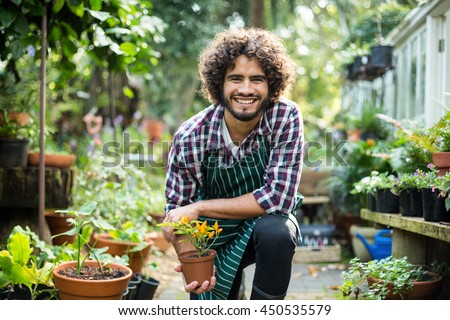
x: 243, y: 177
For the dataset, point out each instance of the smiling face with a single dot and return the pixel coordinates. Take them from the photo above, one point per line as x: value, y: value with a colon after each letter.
x: 245, y: 89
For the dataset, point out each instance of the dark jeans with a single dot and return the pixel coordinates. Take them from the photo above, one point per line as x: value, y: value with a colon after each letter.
x: 271, y: 247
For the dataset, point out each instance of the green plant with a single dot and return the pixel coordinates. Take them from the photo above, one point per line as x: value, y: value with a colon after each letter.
x: 27, y: 262
x: 121, y: 191
x: 81, y: 220
x: 396, y: 275
x: 441, y: 131
x: 130, y: 233
x: 361, y: 158
x: 199, y: 234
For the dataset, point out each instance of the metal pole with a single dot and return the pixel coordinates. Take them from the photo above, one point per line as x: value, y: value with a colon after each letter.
x: 42, y: 123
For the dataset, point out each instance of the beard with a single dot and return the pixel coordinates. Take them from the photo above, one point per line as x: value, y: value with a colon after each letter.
x: 244, y: 115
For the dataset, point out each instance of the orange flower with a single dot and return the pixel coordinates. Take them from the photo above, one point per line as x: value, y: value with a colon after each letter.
x: 203, y: 227
x: 211, y: 234
x: 185, y: 219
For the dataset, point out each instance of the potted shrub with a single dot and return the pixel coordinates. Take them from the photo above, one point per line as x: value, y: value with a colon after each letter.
x: 197, y: 264
x: 390, y: 278
x: 130, y: 241
x: 24, y: 273
x: 98, y: 279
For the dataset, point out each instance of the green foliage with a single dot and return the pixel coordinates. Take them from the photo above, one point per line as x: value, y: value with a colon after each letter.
x: 132, y: 234
x: 372, y: 183
x: 120, y: 190
x: 397, y: 272
x: 361, y: 158
x: 373, y: 25
x: 81, y: 220
x: 21, y: 266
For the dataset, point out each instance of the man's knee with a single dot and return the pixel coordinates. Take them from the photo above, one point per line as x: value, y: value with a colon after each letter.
x: 275, y: 231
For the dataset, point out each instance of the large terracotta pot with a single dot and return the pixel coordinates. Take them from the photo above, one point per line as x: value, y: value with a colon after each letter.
x: 76, y: 289
x: 421, y: 290
x: 158, y: 240
x: 20, y: 118
x: 196, y: 268
x: 120, y: 248
x: 442, y: 162
x: 52, y: 160
x: 57, y: 224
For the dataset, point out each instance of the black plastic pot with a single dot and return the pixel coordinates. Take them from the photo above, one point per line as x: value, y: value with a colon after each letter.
x: 410, y: 201
x: 432, y: 205
x: 4, y: 293
x: 404, y: 203
x: 381, y: 55
x: 415, y: 199
x: 13, y: 153
x: 371, y: 202
x: 147, y: 288
x: 387, y: 202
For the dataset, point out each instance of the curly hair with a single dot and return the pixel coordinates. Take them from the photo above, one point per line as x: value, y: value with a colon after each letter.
x: 263, y: 45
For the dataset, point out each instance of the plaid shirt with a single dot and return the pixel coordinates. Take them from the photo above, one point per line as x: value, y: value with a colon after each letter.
x: 282, y: 127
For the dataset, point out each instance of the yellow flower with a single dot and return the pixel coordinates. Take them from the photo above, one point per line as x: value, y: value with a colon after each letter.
x: 199, y: 233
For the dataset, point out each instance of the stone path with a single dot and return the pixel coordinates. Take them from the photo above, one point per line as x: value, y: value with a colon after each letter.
x: 308, y: 281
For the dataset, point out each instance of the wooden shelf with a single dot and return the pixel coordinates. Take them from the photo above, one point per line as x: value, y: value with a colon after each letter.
x: 412, y: 224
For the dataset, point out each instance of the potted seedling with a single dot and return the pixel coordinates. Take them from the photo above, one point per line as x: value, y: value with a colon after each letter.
x: 389, y: 278
x: 197, y: 264
x: 83, y: 279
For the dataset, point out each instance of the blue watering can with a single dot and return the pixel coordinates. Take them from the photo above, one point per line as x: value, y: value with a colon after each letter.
x: 382, y: 245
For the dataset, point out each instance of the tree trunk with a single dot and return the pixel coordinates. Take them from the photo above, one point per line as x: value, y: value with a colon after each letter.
x: 257, y: 13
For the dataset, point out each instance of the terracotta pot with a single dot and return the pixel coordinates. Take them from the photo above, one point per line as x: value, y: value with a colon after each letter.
x: 421, y: 290
x: 20, y: 118
x: 154, y: 129
x: 57, y: 224
x: 158, y: 240
x: 196, y: 268
x: 442, y: 162
x: 119, y: 248
x: 52, y: 160
x: 76, y: 289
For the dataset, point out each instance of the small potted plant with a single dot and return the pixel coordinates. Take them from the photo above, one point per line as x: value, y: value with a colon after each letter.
x: 381, y: 184
x: 410, y: 195
x: 98, y: 279
x: 198, y: 264
x: 389, y: 278
x: 368, y: 186
x: 130, y: 241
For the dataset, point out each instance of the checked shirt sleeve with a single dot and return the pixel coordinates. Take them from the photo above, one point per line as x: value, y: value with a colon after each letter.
x: 181, y: 186
x: 281, y: 181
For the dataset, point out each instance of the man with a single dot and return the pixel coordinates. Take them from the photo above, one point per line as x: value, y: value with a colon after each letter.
x: 239, y: 161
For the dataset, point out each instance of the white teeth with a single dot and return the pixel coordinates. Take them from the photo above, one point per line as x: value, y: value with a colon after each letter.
x: 245, y: 101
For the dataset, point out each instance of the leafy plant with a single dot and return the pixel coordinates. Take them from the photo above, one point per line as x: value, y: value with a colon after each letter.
x: 130, y: 233
x: 200, y: 234
x: 396, y: 275
x: 121, y: 191
x: 361, y: 158
x: 21, y: 266
x: 80, y: 220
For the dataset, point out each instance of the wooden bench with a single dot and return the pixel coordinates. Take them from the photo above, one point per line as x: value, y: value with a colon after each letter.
x: 314, y: 188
